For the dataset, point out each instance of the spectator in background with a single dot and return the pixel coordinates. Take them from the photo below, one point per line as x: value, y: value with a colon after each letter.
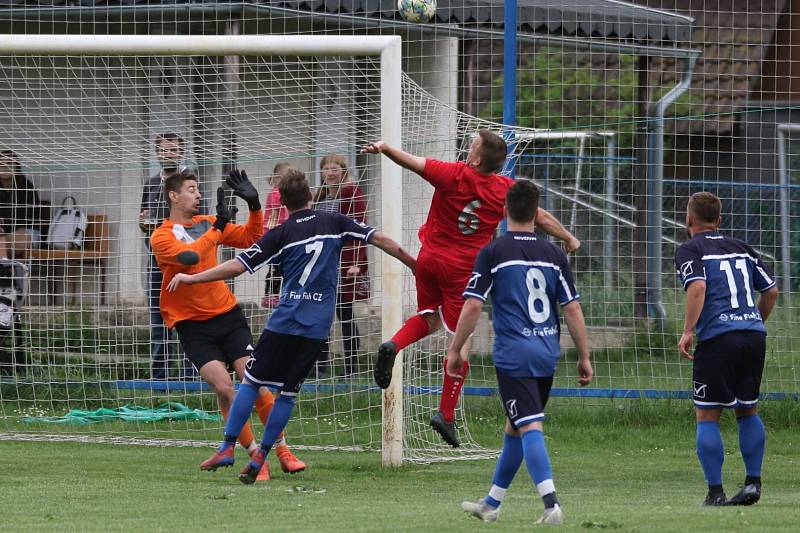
x: 275, y: 214
x: 20, y: 209
x: 154, y: 210
x: 339, y: 194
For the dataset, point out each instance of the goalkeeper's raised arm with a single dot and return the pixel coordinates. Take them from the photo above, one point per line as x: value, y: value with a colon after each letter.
x: 187, y: 238
x: 187, y: 243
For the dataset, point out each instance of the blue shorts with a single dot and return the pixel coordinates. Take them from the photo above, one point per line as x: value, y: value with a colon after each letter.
x: 523, y: 399
x: 727, y: 369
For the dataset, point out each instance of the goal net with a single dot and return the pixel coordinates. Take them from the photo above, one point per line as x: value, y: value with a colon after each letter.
x: 84, y: 355
x: 79, y: 342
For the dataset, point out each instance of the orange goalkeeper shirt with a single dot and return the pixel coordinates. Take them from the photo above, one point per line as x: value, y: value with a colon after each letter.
x: 206, y: 300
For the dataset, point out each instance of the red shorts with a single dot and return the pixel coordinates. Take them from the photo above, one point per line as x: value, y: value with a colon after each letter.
x: 440, y: 287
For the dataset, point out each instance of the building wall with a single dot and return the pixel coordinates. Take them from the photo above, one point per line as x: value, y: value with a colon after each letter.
x: 780, y: 73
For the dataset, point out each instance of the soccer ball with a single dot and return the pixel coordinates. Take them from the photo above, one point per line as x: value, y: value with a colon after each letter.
x: 417, y: 10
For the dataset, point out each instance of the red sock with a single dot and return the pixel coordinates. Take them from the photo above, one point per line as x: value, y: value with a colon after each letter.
x: 413, y: 330
x: 451, y: 390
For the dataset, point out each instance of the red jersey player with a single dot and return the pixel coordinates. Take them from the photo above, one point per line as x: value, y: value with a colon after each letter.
x: 466, y: 208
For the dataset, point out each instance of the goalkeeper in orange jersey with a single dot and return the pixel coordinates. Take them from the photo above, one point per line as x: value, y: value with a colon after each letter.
x: 211, y: 326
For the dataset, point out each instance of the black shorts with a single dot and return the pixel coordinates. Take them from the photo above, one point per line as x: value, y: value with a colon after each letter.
x: 282, y: 362
x: 523, y: 398
x: 727, y: 370
x: 225, y: 338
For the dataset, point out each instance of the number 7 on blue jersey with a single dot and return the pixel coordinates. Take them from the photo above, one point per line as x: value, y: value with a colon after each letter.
x: 316, y: 248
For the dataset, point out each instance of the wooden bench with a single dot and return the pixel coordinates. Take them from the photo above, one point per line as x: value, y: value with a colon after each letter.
x: 95, y: 251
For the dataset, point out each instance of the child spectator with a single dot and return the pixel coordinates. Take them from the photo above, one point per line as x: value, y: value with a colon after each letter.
x: 275, y: 214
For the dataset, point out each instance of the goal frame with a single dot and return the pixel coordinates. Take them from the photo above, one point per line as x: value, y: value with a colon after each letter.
x: 386, y: 48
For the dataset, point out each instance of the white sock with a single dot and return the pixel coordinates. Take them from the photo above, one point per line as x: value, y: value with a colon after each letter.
x: 546, y: 487
x: 497, y: 493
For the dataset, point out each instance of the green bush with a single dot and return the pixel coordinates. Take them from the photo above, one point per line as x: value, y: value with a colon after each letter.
x: 563, y: 91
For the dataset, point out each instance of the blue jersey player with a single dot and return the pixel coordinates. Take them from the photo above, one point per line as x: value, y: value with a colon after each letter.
x: 307, y: 248
x: 721, y: 277
x: 528, y: 280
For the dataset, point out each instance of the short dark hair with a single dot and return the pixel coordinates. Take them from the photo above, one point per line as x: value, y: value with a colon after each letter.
x: 522, y: 201
x: 174, y: 182
x: 171, y: 137
x: 294, y: 190
x: 15, y: 164
x: 705, y: 206
x: 18, y: 177
x: 493, y: 150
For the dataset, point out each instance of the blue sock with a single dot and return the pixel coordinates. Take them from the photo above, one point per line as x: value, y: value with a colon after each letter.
x: 507, y: 466
x: 538, y: 462
x: 278, y: 418
x: 752, y: 438
x: 710, y: 451
x: 239, y: 412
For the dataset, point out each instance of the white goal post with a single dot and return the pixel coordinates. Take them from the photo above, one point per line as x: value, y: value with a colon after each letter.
x: 386, y: 48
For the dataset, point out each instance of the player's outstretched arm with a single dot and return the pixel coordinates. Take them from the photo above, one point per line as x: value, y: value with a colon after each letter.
x: 695, y: 299
x: 549, y: 224
x: 467, y: 320
x: 404, y: 159
x: 227, y: 270
x: 766, y: 302
x: 573, y: 315
x: 390, y: 246
x: 244, y: 235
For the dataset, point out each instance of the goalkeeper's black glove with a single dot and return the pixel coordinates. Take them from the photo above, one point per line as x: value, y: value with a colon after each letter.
x: 243, y: 188
x: 225, y: 213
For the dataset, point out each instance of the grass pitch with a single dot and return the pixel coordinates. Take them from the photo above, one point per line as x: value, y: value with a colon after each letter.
x: 616, y: 467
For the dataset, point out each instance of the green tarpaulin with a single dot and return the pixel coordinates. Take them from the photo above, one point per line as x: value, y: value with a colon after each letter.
x: 127, y: 413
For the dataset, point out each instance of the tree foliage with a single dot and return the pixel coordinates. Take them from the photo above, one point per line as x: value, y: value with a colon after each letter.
x: 571, y: 90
